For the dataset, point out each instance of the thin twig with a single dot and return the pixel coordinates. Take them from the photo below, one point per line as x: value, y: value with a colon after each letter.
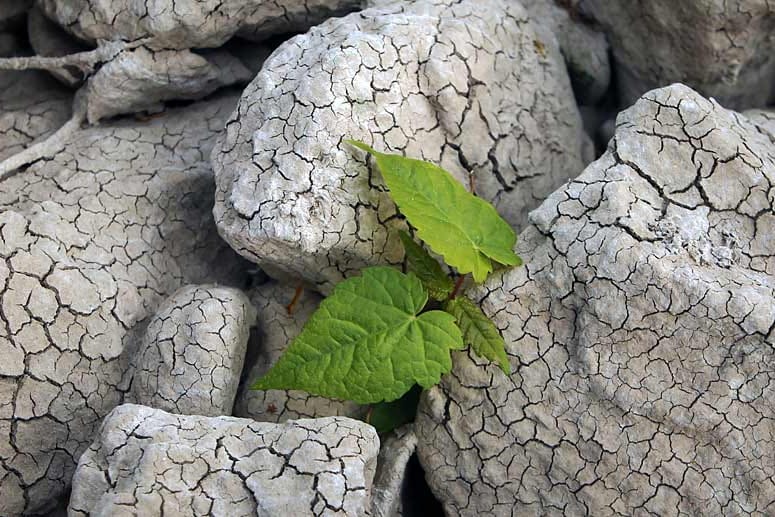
x: 86, y: 61
x: 48, y: 147
x: 296, y: 296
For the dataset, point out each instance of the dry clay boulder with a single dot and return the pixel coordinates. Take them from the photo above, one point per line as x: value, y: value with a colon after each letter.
x: 91, y: 243
x: 174, y: 24
x: 32, y: 106
x: 276, y: 327
x: 191, y: 356
x: 459, y: 83
x: 144, y: 50
x: 143, y: 78
x: 640, y: 334
x: 723, y: 49
x: 151, y: 463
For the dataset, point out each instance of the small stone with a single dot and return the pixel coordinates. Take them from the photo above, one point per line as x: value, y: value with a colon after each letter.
x: 148, y: 462
x: 191, y: 356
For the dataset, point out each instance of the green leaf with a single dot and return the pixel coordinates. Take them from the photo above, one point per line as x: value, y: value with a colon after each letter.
x: 464, y: 229
x: 427, y: 269
x: 386, y: 416
x: 366, y: 342
x: 479, y: 331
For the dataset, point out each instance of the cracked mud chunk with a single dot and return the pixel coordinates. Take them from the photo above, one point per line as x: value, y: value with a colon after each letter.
x: 142, y: 78
x: 151, y: 463
x: 725, y: 50
x: 764, y: 120
x: 640, y: 334
x: 91, y: 242
x: 459, y: 83
x: 32, y: 106
x: 191, y: 355
x: 391, y: 476
x: 276, y: 328
x: 181, y: 24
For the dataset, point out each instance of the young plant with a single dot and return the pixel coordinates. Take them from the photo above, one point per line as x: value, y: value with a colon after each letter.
x: 377, y: 336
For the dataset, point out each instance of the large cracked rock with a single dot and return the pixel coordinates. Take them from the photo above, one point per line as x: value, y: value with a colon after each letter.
x: 276, y: 327
x: 459, y: 83
x: 32, y: 106
x: 192, y: 353
x: 640, y: 335
x: 91, y: 242
x: 192, y: 24
x: 151, y: 463
x: 723, y: 49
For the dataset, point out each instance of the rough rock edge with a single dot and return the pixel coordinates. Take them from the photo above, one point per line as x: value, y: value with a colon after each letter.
x: 640, y: 335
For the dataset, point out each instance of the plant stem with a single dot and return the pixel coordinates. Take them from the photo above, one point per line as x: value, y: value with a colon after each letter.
x: 458, y: 284
x: 296, y: 296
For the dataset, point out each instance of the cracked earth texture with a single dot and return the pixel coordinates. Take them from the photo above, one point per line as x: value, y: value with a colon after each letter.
x: 724, y: 49
x: 764, y: 120
x: 640, y: 334
x: 275, y: 329
x: 32, y: 106
x: 191, y: 356
x: 460, y: 83
x: 174, y: 24
x: 163, y: 68
x: 148, y: 462
x: 142, y: 79
x: 91, y: 243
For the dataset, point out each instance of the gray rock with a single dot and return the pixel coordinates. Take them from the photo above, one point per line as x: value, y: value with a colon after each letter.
x: 176, y: 24
x: 191, y: 356
x: 91, y: 243
x: 764, y: 121
x: 459, y: 83
x: 723, y: 49
x: 151, y: 463
x: 391, y: 477
x: 32, y: 106
x: 584, y: 47
x: 640, y: 335
x: 276, y: 328
x: 144, y: 53
x: 142, y: 79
